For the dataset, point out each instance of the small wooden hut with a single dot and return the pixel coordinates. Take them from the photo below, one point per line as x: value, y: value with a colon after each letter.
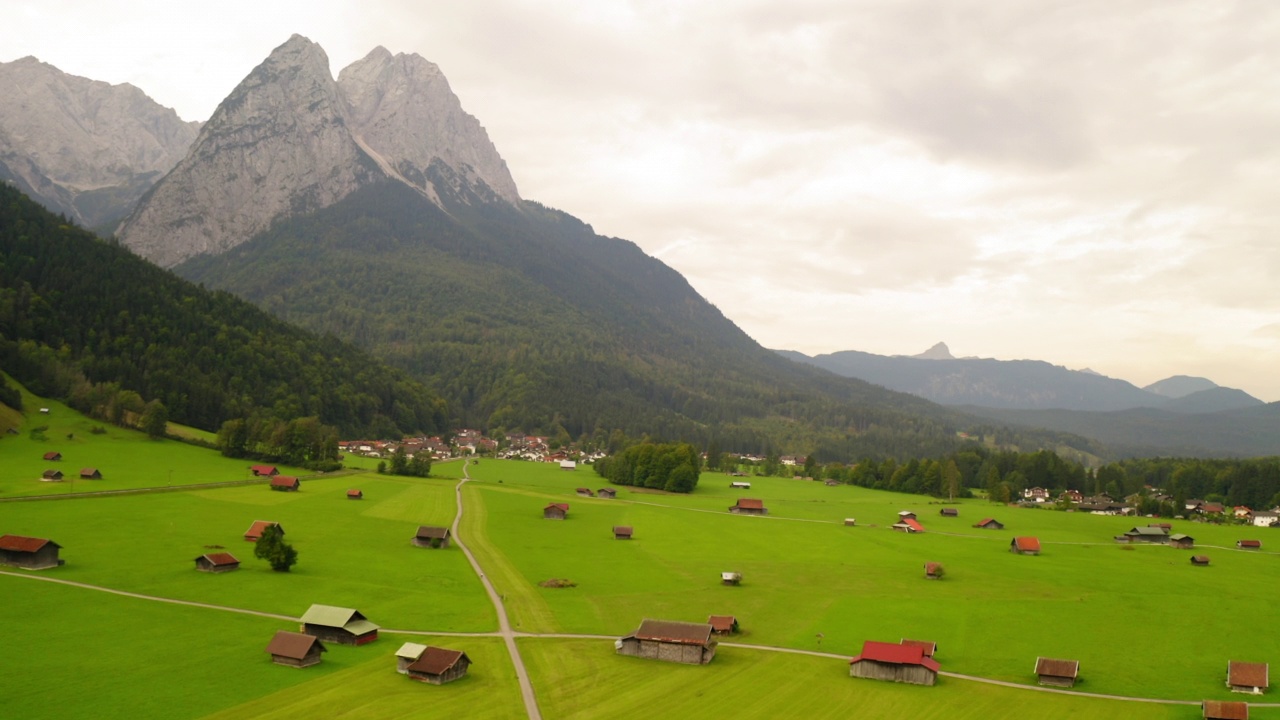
x: 285, y: 483
x: 1224, y: 710
x: 429, y: 536
x: 1246, y: 677
x: 1058, y: 673
x: 681, y: 642
x: 1145, y: 535
x: 723, y: 624
x: 1199, y: 559
x: 730, y: 578
x: 740, y: 485
x: 254, y: 533
x: 355, y: 494
x: 337, y: 624
x: 1025, y: 546
x: 1249, y: 544
x: 896, y: 663
x: 608, y: 493
x: 585, y: 492
x: 621, y: 532
x: 910, y: 525
x: 53, y: 456
x: 933, y: 571
x: 295, y: 649
x: 439, y: 666
x: 51, y: 476
x: 949, y: 512
x: 1181, y: 541
x: 555, y: 511
x: 749, y: 506
x: 850, y: 522
x: 990, y: 524
x: 90, y: 474
x: 263, y: 470
x: 217, y: 563
x: 906, y: 515
x: 28, y: 552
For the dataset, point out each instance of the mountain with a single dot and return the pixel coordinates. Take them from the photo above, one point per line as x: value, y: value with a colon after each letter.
x: 939, y: 351
x: 1212, y: 400
x: 1180, y: 386
x: 84, y: 148
x: 290, y: 140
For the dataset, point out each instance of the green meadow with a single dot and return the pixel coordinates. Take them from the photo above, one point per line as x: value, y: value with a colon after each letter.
x: 1141, y: 620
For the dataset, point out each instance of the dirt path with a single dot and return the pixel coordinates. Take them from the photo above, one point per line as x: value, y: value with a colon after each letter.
x: 504, y: 624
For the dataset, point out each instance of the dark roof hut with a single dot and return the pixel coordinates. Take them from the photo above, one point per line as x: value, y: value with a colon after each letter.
x: 355, y: 494
x: 432, y: 537
x: 949, y: 512
x: 1059, y: 673
x: 407, y: 655
x: 217, y: 563
x: 53, y: 456
x: 585, y: 492
x: 1224, y: 710
x: 255, y: 530
x: 439, y: 666
x: 285, y: 483
x: 337, y: 624
x: 897, y: 663
x: 1182, y: 541
x: 681, y: 642
x: 933, y: 571
x: 263, y: 470
x: 622, y: 532
x: 1025, y: 546
x: 1145, y: 534
x: 1199, y: 559
x: 723, y: 624
x: 749, y: 506
x: 28, y: 552
x: 295, y: 649
x: 990, y: 524
x: 1249, y: 544
x: 555, y: 511
x: 1247, y: 677
x: 51, y: 475
x: 607, y: 493
x: 90, y: 474
x: 928, y: 646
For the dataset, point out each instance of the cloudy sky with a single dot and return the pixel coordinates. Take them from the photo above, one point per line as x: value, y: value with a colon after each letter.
x: 1091, y: 183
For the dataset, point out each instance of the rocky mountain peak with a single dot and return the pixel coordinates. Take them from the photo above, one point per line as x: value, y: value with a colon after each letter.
x: 939, y: 351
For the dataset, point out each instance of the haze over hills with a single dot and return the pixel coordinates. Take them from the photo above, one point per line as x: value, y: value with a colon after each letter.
x: 84, y: 148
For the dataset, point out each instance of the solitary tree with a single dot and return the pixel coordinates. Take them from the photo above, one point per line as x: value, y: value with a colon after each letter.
x: 155, y: 419
x: 272, y: 548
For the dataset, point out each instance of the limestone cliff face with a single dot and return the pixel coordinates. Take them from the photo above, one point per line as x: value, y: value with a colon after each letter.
x: 290, y: 140
x: 277, y: 146
x: 402, y: 108
x: 81, y: 147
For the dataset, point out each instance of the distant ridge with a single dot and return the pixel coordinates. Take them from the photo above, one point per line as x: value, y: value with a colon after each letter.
x: 1180, y: 386
x: 939, y: 351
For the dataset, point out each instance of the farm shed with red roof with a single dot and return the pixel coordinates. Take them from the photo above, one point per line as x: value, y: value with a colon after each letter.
x: 680, y: 642
x: 1025, y: 546
x: 53, y: 456
x: 1249, y: 544
x: 928, y: 646
x: 439, y: 666
x: 264, y: 470
x: 28, y: 552
x: 555, y: 511
x: 898, y: 663
x: 1247, y: 677
x: 622, y: 532
x: 1059, y: 673
x: 355, y: 494
x: 933, y: 570
x: 255, y: 530
x: 749, y: 506
x: 285, y: 483
x: 990, y: 524
x: 295, y: 649
x: 910, y: 525
x: 1199, y: 559
x: 723, y: 624
x: 1224, y: 710
x: 217, y: 562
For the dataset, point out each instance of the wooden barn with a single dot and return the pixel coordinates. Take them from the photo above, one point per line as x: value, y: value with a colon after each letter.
x: 1249, y: 544
x: 749, y: 506
x: 585, y: 492
x: 609, y: 493
x: 1246, y: 677
x: 90, y: 474
x: 264, y: 470
x: 28, y: 552
x: 255, y: 530
x: 568, y: 465
x: 1145, y: 535
x: 850, y: 522
x: 910, y: 525
x: 896, y: 663
x: 949, y: 512
x: 723, y: 624
x: 439, y: 666
x: 990, y: 524
x: 53, y: 456
x: 1199, y: 559
x: 355, y: 494
x: 740, y: 485
x: 1184, y: 542
x: 1025, y: 546
x: 730, y: 578
x: 904, y: 515
x: 1059, y: 673
x: 285, y: 483
x: 555, y: 511
x: 622, y: 532
x: 1224, y: 710
x: 681, y: 642
x: 432, y: 537
x: 51, y: 476
x: 928, y: 646
x: 407, y: 655
x: 341, y: 625
x: 295, y: 649
x: 933, y: 571
x: 217, y: 563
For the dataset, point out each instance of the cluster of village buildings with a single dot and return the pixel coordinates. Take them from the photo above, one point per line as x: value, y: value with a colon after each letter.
x: 464, y: 443
x: 1194, y: 509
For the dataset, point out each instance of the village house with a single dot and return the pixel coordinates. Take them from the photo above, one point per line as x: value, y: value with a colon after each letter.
x: 933, y: 571
x: 607, y: 493
x: 1194, y: 505
x: 1058, y: 673
x: 53, y: 456
x: 908, y: 526
x: 28, y: 552
x: 285, y: 483
x: 682, y: 642
x: 723, y: 624
x: 1263, y: 518
x: 1246, y: 677
x: 1224, y: 710
x: 217, y: 563
x: 990, y: 524
x: 1025, y: 546
x: 438, y: 666
x: 897, y: 663
x: 407, y: 655
x: 429, y: 536
x: 1212, y: 508
x: 1199, y: 559
x: 1035, y: 494
x: 928, y: 646
x: 51, y: 476
x: 555, y: 511
x: 621, y: 532
x: 1249, y: 544
x: 264, y: 470
x: 730, y: 578
x: 1241, y: 512
x: 337, y: 624
x: 1145, y: 534
x: 254, y: 533
x: 585, y: 492
x: 355, y: 494
x: 90, y: 474
x: 295, y: 649
x: 1074, y: 496
x: 949, y: 512
x: 748, y: 506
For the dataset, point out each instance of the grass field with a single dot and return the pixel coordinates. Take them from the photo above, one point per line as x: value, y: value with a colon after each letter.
x: 1142, y: 620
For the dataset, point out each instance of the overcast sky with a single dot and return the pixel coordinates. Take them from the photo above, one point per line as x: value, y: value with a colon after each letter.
x: 1089, y: 183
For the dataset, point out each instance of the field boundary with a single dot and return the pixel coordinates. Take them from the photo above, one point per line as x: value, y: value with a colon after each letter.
x: 176, y: 488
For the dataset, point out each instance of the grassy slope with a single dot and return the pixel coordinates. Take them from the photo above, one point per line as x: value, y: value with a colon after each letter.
x: 1084, y: 597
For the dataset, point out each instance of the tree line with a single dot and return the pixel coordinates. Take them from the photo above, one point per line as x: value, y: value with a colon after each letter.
x: 673, y: 467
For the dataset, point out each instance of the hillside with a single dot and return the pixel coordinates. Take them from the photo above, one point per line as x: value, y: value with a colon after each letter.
x: 81, y: 318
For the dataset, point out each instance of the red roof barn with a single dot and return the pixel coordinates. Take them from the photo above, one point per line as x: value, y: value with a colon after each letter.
x: 1060, y: 673
x: 295, y: 649
x: 749, y: 506
x: 680, y: 642
x: 1025, y: 546
x: 28, y: 552
x: 1247, y: 677
x: 53, y: 456
x: 255, y: 530
x: 555, y: 511
x: 899, y: 663
x: 1224, y: 710
x: 439, y: 666
x: 285, y: 483
x: 217, y: 563
x: 264, y: 470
